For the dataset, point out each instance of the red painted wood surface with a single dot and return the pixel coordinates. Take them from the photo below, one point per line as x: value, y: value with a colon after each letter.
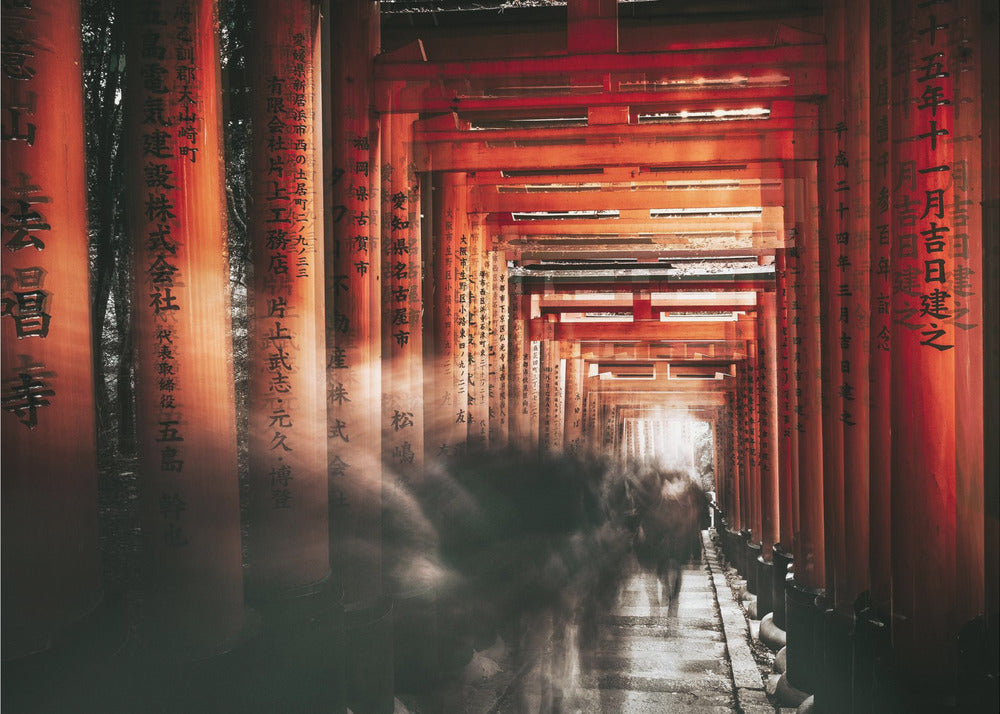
x: 51, y: 558
x: 788, y: 433
x: 451, y: 314
x: 403, y: 418
x: 835, y: 210
x: 288, y: 536
x: 880, y: 431
x: 857, y: 276
x: 185, y: 402
x: 965, y: 46
x: 926, y: 319
x: 810, y: 563
x: 499, y: 392
x: 769, y: 429
x: 354, y: 310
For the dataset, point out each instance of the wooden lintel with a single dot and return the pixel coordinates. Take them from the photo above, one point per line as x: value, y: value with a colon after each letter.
x: 622, y: 176
x: 610, y: 129
x: 444, y: 97
x: 714, y: 62
x: 412, y: 52
x: 660, y: 285
x: 489, y: 200
x: 682, y: 151
x: 592, y: 26
x: 653, y: 330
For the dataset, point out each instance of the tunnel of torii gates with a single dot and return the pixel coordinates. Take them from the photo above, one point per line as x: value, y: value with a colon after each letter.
x: 571, y: 238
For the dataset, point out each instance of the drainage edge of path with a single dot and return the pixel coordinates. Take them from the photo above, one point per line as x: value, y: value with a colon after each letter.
x: 748, y: 685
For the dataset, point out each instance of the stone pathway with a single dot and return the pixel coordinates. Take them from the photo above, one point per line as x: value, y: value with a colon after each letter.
x: 647, y: 662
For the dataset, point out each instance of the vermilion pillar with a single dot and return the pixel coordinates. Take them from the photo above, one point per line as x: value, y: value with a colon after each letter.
x: 740, y: 447
x: 289, y: 538
x: 880, y: 395
x: 745, y: 443
x: 754, y: 436
x: 835, y: 210
x: 551, y: 391
x: 354, y: 314
x: 498, y: 350
x: 520, y: 374
x: 967, y: 64
x: 855, y: 336
x: 809, y: 555
x: 451, y: 316
x: 926, y: 315
x: 185, y: 405
x: 788, y: 434
x: 51, y: 559
x: 534, y: 390
x: 478, y: 362
x: 734, y: 507
x: 573, y: 416
x: 402, y: 325
x: 990, y: 146
x: 485, y: 302
x: 768, y: 429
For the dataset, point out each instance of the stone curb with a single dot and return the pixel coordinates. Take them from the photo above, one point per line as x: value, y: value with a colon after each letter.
x: 747, y: 681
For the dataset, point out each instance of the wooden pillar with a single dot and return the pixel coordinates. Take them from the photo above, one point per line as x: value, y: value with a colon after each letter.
x: 288, y: 537
x: 880, y: 395
x: 744, y: 441
x: 51, y: 557
x: 855, y: 346
x: 990, y: 187
x: 451, y: 315
x: 768, y: 429
x: 834, y: 216
x: 926, y: 316
x: 967, y: 62
x: 498, y: 350
x: 786, y: 276
x: 402, y: 324
x: 534, y: 381
x: 478, y: 359
x: 734, y: 510
x: 185, y: 403
x: 484, y: 299
x: 716, y: 456
x: 551, y: 389
x: 809, y: 554
x: 573, y: 436
x: 610, y: 427
x: 520, y: 363
x: 754, y: 436
x: 354, y: 317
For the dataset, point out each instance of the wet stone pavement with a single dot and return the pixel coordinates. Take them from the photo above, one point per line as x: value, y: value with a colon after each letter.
x: 646, y: 659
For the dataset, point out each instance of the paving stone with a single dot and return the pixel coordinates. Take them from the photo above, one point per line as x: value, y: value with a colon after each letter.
x: 645, y: 660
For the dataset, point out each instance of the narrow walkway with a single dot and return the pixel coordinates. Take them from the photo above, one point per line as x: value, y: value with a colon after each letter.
x: 646, y: 661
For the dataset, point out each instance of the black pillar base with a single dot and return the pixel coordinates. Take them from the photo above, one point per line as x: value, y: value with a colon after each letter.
x: 874, y: 687
x: 765, y: 592
x: 742, y: 538
x: 71, y: 675
x: 978, y: 668
x: 833, y: 686
x: 751, y: 555
x: 299, y: 661
x: 729, y: 542
x: 803, y: 631
x: 370, y: 685
x: 782, y: 561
